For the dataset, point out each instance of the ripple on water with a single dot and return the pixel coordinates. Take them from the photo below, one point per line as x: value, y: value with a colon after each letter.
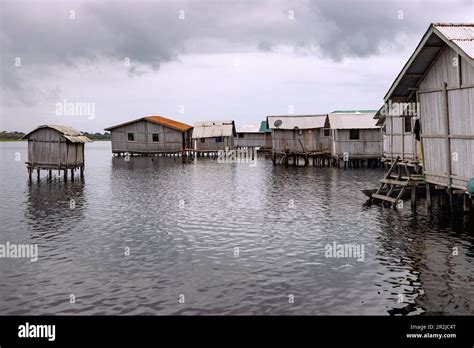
x: 233, y: 239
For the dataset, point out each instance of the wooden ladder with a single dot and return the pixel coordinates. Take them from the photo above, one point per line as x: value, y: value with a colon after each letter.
x: 391, y: 181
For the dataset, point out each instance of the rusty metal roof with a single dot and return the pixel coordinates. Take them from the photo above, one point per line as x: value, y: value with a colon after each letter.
x: 459, y: 37
x: 211, y: 129
x: 298, y: 121
x: 67, y: 132
x: 179, y: 126
x: 352, y: 120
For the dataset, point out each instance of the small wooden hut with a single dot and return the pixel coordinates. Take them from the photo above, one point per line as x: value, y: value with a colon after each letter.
x: 355, y: 136
x: 439, y: 80
x: 249, y: 137
x: 52, y: 147
x: 150, y: 135
x: 213, y: 136
x: 302, y: 136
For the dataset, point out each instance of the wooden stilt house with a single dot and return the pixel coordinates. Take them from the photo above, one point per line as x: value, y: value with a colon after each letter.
x: 306, y: 136
x: 52, y: 147
x: 355, y: 135
x: 213, y: 136
x: 150, y: 135
x: 249, y: 136
x: 439, y: 138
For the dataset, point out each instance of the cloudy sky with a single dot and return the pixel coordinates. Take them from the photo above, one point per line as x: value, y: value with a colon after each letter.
x: 203, y: 60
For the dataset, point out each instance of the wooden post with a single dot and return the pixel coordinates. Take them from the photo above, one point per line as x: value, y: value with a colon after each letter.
x: 38, y: 174
x: 467, y: 203
x: 50, y: 174
x: 447, y: 143
x: 442, y: 198
x: 428, y: 196
x: 72, y: 174
x: 413, y: 197
x: 30, y: 171
x: 65, y: 174
x: 82, y: 171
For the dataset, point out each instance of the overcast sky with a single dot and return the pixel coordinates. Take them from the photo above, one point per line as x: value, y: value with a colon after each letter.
x: 203, y: 60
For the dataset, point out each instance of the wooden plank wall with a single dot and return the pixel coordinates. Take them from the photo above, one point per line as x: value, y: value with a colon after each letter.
x: 209, y: 144
x: 170, y: 140
x: 250, y: 140
x: 46, y: 146
x: 283, y: 139
x: 448, y: 142
x: 369, y: 144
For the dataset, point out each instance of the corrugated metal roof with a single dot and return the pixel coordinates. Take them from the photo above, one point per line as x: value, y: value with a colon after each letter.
x: 460, y: 37
x: 460, y: 34
x: 183, y: 127
x: 352, y: 120
x: 211, y: 129
x: 368, y: 111
x: 67, y: 132
x: 249, y: 128
x: 298, y: 121
x: 167, y: 122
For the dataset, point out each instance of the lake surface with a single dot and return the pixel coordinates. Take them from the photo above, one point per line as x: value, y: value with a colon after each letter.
x: 145, y: 235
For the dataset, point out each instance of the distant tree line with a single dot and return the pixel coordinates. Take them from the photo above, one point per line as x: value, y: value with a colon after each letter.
x: 12, y: 136
x: 97, y: 136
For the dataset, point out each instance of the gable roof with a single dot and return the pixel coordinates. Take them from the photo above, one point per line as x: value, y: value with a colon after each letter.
x: 163, y: 121
x: 67, y: 132
x: 211, y: 129
x: 459, y: 37
x: 352, y: 120
x: 298, y: 121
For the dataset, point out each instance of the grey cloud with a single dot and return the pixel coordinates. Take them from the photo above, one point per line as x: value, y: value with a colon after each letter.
x: 151, y: 34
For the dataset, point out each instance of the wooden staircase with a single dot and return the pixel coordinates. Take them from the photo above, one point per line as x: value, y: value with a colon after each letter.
x: 395, y: 183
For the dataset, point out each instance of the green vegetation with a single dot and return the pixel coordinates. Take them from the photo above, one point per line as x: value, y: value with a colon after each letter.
x: 97, y: 136
x: 10, y: 136
x: 15, y: 136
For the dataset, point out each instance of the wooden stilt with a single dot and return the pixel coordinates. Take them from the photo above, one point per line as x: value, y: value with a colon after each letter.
x: 442, y: 198
x: 428, y: 196
x: 413, y: 196
x: 450, y: 197
x: 467, y: 203
x: 38, y: 174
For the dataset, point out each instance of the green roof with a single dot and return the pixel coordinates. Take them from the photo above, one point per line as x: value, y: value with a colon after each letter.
x: 264, y: 127
x: 353, y: 111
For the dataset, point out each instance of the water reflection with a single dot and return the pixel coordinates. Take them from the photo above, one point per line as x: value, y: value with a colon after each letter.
x: 234, y: 239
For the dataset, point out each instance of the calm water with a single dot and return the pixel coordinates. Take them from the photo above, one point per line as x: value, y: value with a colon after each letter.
x: 183, y: 222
